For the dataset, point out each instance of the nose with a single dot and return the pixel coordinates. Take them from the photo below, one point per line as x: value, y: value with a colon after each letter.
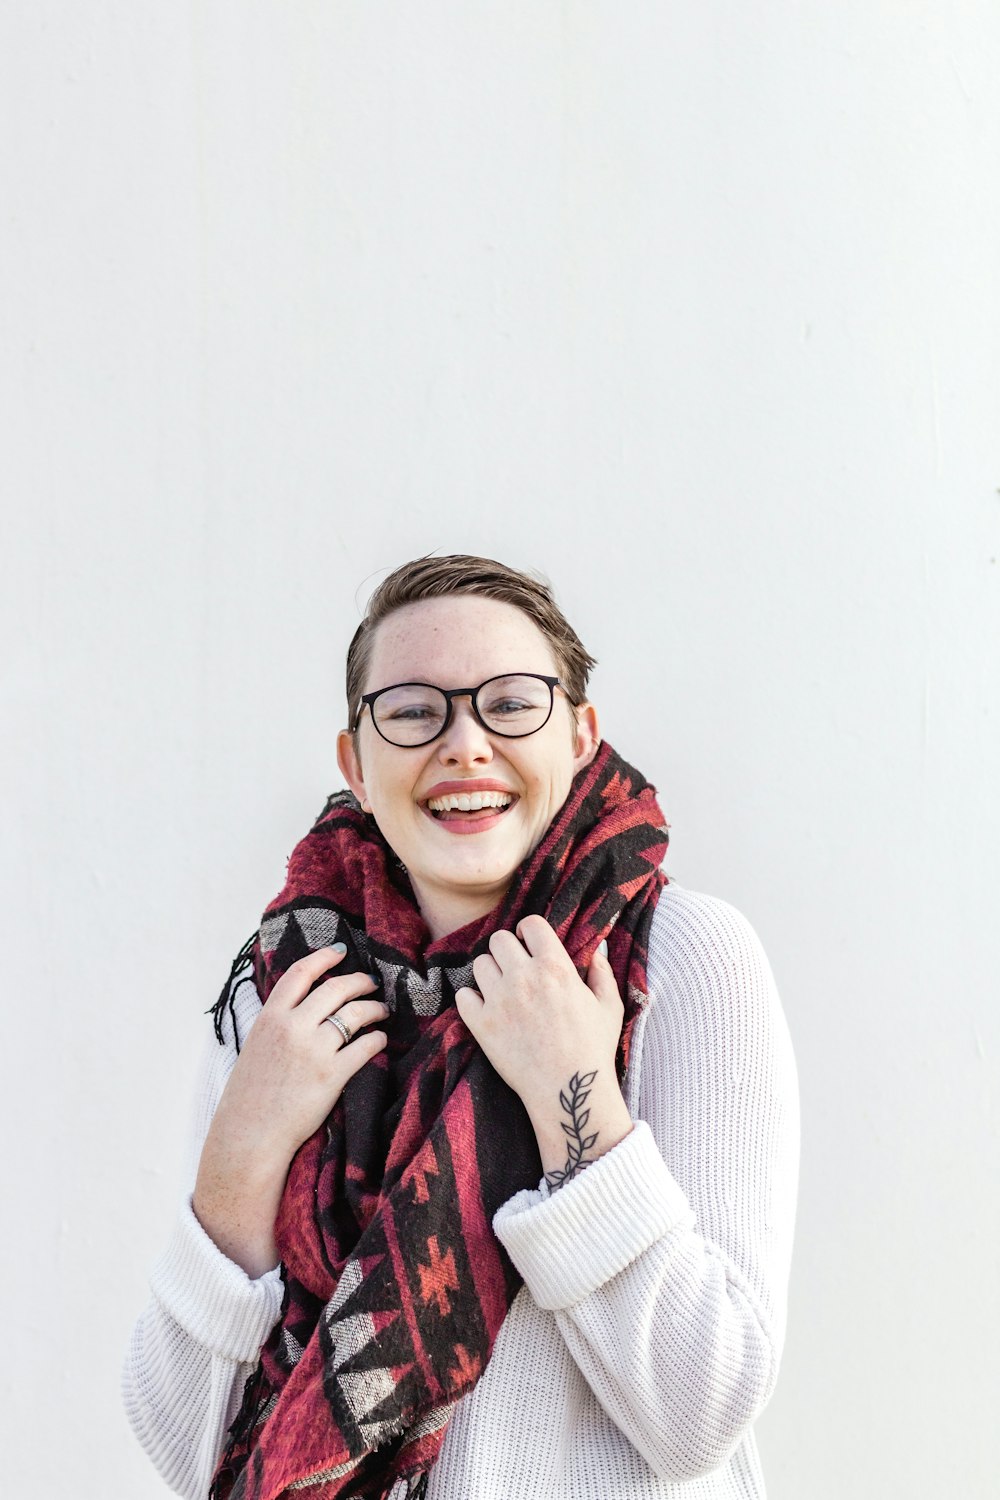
x: 465, y: 742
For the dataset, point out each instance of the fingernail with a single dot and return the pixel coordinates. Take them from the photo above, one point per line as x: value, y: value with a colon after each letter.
x: 602, y: 947
x: 340, y: 948
x: 375, y: 978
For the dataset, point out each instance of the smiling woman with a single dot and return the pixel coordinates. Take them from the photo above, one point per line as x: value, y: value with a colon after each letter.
x: 461, y: 865
x: 513, y: 1224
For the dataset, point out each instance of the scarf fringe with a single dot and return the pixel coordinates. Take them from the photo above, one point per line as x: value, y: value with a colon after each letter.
x: 227, y: 996
x: 243, y: 1424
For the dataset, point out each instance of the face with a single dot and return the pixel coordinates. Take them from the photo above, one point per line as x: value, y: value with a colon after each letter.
x: 460, y: 866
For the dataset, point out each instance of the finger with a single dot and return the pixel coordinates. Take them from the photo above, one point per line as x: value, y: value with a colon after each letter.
x: 357, y: 1013
x: 538, y: 936
x: 352, y: 1056
x: 337, y: 991
x: 486, y: 971
x: 507, y: 950
x: 300, y: 976
x: 470, y: 1006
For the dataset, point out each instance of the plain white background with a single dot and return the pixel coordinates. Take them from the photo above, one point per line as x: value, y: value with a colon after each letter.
x: 696, y: 309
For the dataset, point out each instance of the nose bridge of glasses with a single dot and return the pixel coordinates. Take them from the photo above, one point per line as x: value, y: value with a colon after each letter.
x: 467, y: 713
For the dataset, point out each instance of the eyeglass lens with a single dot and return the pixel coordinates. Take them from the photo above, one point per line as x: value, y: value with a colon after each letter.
x: 413, y: 714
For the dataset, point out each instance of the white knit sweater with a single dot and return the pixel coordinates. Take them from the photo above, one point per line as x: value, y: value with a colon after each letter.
x: 647, y: 1335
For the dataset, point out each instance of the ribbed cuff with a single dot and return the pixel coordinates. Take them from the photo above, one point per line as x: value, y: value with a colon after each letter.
x: 570, y: 1242
x: 212, y: 1298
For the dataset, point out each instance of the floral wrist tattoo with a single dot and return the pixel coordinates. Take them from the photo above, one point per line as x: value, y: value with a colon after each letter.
x: 572, y: 1100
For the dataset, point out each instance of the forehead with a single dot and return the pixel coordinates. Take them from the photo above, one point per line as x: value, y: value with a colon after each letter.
x: 459, y: 641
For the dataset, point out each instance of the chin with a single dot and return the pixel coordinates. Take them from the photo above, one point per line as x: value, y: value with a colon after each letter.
x: 472, y: 872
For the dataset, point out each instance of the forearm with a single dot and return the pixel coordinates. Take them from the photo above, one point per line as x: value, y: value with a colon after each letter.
x: 236, y: 1199
x: 200, y: 1334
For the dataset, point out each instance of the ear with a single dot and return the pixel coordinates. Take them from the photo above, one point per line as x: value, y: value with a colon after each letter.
x: 350, y: 765
x: 587, y: 739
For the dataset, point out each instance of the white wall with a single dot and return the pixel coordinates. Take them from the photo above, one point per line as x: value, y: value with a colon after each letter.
x: 696, y: 308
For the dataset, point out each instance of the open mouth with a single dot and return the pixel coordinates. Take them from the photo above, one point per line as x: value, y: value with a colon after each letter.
x: 465, y: 807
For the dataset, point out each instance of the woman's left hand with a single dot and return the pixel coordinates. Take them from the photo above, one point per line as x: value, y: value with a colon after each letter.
x: 553, y: 1038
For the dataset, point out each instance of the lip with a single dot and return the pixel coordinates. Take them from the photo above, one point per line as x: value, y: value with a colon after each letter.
x: 458, y: 788
x: 468, y: 825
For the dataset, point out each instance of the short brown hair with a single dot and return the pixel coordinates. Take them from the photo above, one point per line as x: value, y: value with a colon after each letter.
x: 438, y: 577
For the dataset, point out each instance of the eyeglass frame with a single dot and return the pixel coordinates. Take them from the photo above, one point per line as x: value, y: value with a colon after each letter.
x: 449, y: 694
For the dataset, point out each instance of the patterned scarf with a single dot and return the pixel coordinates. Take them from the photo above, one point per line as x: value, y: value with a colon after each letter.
x: 395, y: 1285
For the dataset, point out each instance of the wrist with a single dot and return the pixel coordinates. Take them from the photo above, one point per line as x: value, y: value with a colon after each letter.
x: 577, y: 1123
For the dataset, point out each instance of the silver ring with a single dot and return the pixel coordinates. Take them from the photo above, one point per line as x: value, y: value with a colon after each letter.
x: 341, y: 1026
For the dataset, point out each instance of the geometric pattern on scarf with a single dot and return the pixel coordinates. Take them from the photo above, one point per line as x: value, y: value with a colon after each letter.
x: 395, y: 1285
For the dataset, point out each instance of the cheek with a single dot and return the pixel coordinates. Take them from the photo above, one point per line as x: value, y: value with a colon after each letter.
x: 391, y: 788
x: 547, y: 791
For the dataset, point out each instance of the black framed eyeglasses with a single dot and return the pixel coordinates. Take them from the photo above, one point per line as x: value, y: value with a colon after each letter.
x: 415, y: 713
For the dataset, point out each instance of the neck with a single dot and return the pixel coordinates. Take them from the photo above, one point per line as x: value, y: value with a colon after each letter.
x: 445, y: 909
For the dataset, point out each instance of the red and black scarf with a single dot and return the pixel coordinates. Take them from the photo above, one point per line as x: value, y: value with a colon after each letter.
x: 395, y: 1284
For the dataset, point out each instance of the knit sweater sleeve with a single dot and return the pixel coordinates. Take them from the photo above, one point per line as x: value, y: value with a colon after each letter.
x: 665, y: 1263
x: 200, y: 1334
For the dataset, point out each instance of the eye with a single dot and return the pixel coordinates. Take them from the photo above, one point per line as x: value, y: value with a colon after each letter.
x: 414, y: 713
x: 507, y: 707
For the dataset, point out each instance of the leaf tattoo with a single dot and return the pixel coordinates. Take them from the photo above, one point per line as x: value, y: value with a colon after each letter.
x: 572, y: 1100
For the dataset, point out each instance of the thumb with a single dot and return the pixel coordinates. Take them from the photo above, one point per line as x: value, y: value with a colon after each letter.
x: 600, y: 976
x: 469, y: 1004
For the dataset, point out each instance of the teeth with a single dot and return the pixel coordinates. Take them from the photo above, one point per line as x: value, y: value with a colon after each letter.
x: 469, y: 801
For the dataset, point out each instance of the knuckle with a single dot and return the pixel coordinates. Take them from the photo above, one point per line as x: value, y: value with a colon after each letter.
x: 306, y: 961
x: 358, y: 1012
x: 359, y: 980
x: 533, y: 922
x: 363, y: 1048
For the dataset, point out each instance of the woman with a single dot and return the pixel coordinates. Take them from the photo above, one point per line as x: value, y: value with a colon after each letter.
x: 495, y: 1191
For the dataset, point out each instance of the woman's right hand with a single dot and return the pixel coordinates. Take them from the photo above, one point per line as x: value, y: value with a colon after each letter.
x: 290, y: 1072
